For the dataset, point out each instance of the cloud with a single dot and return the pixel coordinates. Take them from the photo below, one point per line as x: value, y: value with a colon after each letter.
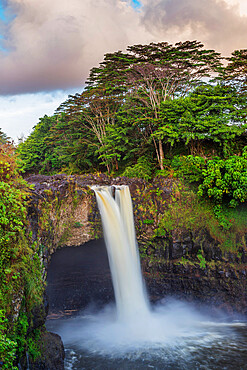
x: 217, y: 23
x: 53, y: 44
x: 18, y: 114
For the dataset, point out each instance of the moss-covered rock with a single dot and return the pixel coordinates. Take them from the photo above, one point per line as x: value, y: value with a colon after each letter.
x: 180, y: 239
x: 52, y: 357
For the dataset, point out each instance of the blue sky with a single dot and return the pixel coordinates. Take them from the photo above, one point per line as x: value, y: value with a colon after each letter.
x: 136, y: 3
x: 2, y: 15
x: 2, y: 18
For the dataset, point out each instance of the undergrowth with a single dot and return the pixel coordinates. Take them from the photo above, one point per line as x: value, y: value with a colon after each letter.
x: 21, y: 285
x: 187, y: 211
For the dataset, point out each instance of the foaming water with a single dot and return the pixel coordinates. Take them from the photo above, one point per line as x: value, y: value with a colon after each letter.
x: 134, y: 335
x: 175, y: 335
x: 104, y: 333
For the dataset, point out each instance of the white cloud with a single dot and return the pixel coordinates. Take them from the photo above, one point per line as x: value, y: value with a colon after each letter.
x: 53, y: 44
x: 241, y: 5
x: 18, y: 114
x: 216, y: 23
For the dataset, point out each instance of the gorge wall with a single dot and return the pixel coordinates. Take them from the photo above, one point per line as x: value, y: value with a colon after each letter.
x: 184, y: 252
x: 179, y: 257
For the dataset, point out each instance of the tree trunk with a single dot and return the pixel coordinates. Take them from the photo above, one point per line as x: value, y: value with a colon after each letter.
x: 161, y: 155
x: 116, y: 163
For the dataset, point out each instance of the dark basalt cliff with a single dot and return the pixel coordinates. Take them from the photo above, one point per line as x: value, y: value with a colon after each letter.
x: 179, y: 261
x: 183, y: 262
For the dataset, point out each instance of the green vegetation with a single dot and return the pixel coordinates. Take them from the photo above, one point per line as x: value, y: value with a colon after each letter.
x: 141, y: 108
x: 3, y: 137
x: 159, y: 109
x: 21, y: 284
x: 142, y: 169
x: 187, y: 213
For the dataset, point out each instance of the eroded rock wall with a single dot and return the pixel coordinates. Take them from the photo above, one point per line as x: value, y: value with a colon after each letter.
x: 185, y: 262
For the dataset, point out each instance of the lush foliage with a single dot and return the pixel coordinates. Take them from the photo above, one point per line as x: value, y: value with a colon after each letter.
x: 20, y: 272
x: 142, y: 169
x: 153, y: 109
x: 3, y: 137
x: 191, y: 214
x: 222, y: 180
x: 211, y: 116
x: 150, y: 99
x: 225, y: 180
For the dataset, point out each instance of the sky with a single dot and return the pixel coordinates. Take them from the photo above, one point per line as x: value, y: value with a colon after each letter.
x: 48, y: 47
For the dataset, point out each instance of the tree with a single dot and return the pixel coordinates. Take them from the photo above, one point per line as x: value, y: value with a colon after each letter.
x: 3, y: 137
x: 159, y: 72
x: 235, y: 72
x: 213, y: 114
x: 35, y: 151
x: 127, y: 139
x: 146, y: 75
x: 95, y: 108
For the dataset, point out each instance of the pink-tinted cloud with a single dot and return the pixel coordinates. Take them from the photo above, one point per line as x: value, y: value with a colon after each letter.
x: 219, y: 24
x: 52, y: 44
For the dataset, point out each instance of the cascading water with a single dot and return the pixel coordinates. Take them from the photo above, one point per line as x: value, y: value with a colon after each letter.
x: 173, y: 335
x: 119, y: 234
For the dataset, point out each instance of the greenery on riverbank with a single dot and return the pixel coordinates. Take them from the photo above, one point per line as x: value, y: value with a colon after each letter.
x: 21, y: 285
x: 189, y: 214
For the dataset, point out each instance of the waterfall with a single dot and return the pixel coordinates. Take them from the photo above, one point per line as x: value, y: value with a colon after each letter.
x: 171, y: 335
x: 119, y: 233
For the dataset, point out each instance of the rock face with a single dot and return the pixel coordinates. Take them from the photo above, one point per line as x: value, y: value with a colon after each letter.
x: 79, y: 277
x: 183, y: 262
x: 52, y: 353
x: 217, y: 285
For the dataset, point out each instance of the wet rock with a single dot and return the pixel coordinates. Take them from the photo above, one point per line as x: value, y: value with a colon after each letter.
x: 39, y: 314
x: 52, y: 353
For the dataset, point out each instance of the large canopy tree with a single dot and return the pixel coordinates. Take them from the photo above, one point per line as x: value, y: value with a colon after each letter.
x: 141, y: 102
x: 146, y: 75
x: 236, y: 70
x: 210, y: 114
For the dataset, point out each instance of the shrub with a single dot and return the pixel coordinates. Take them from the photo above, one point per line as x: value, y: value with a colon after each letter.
x: 142, y: 169
x: 225, y: 180
x: 190, y: 167
x: 221, y: 180
x: 20, y: 270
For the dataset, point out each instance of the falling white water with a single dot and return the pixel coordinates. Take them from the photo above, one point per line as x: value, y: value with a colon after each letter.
x: 119, y: 234
x: 173, y: 335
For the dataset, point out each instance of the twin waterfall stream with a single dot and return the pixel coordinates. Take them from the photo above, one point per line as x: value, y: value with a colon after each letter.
x: 119, y: 233
x: 133, y: 334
